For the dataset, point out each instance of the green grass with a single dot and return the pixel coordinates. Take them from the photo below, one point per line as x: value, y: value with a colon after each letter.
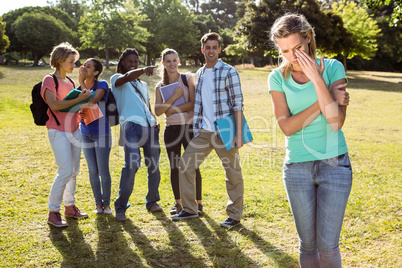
x: 371, y: 235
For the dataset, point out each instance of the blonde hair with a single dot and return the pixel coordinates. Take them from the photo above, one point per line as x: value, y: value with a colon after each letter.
x: 61, y: 52
x: 162, y: 69
x: 289, y: 24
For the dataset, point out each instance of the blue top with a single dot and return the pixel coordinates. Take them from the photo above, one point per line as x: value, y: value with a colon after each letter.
x: 101, y: 125
x: 130, y: 104
x: 318, y: 140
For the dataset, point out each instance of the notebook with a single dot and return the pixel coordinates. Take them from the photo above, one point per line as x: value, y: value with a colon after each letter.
x: 226, y: 129
x: 167, y: 92
x: 72, y: 95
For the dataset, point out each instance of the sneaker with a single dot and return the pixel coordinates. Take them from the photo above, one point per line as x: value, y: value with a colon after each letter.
x: 74, y: 212
x: 107, y: 211
x: 229, y: 223
x: 56, y: 220
x: 121, y: 216
x: 154, y: 207
x: 98, y: 211
x: 184, y: 215
x: 200, y: 211
x: 176, y: 209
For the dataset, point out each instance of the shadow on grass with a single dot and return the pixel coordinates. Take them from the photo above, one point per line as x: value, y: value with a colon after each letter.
x: 113, y: 248
x: 357, y: 81
x: 280, y: 257
x: 177, y: 254
x: 75, y: 251
x: 222, y: 251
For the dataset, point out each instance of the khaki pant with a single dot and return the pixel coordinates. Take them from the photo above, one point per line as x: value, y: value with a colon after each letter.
x: 195, y: 153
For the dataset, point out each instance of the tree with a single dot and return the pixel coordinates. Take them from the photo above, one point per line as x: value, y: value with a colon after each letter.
x: 4, y: 41
x: 363, y: 28
x: 12, y: 16
x: 257, y: 20
x: 40, y: 32
x: 396, y: 15
x: 223, y: 12
x: 111, y: 25
x: 74, y: 8
x: 171, y: 25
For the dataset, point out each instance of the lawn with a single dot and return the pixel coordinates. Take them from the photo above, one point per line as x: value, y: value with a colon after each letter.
x: 372, y: 230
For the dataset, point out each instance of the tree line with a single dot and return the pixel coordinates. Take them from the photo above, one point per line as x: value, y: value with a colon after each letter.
x: 363, y: 34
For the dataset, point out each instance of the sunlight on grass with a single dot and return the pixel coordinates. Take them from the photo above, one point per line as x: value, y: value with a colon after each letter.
x: 371, y: 235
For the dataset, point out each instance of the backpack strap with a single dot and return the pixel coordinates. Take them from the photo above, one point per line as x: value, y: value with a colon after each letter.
x: 184, y: 79
x: 57, y: 86
x: 56, y: 82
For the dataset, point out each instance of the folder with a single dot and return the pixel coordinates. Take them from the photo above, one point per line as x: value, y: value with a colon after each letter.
x: 226, y: 128
x: 92, y: 113
x: 72, y: 95
x: 167, y: 92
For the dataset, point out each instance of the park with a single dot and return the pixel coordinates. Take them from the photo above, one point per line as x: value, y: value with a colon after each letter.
x: 371, y: 233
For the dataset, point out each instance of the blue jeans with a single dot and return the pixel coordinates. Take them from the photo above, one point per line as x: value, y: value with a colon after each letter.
x: 318, y: 192
x: 135, y: 137
x: 96, y: 150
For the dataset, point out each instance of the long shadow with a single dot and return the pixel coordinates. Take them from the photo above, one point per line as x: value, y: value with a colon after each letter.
x: 356, y: 81
x: 150, y: 253
x: 112, y: 250
x: 75, y: 251
x: 280, y: 257
x: 219, y: 247
x: 178, y: 255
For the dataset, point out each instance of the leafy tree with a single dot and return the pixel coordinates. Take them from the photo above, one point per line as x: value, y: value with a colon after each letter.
x: 4, y: 41
x: 223, y: 12
x: 257, y: 20
x: 363, y: 27
x: 74, y: 8
x: 111, y: 25
x: 12, y: 16
x: 396, y: 5
x: 171, y: 25
x: 40, y: 32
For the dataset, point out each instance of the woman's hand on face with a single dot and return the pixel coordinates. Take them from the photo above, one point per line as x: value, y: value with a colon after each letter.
x: 82, y: 74
x: 310, y: 66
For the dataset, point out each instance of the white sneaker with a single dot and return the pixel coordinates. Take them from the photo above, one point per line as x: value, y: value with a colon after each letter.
x: 107, y: 211
x: 98, y: 211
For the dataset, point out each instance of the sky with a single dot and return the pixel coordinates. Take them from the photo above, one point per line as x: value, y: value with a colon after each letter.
x: 8, y: 5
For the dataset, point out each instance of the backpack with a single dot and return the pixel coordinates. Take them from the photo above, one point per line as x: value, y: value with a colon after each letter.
x: 111, y: 110
x: 111, y: 107
x: 184, y: 79
x: 39, y: 106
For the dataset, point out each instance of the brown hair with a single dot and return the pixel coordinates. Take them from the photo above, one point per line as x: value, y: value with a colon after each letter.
x: 61, y: 52
x: 162, y: 70
x: 289, y: 24
x: 98, y: 66
x: 211, y: 36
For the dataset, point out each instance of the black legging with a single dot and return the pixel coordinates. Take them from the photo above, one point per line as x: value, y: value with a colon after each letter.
x: 175, y: 136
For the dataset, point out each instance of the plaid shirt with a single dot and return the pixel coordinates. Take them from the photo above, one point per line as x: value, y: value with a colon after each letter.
x: 227, y: 95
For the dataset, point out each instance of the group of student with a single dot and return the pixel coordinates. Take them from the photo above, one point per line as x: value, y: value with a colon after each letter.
x: 309, y: 101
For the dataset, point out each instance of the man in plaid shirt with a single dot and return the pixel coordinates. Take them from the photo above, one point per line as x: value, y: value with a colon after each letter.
x: 217, y: 95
